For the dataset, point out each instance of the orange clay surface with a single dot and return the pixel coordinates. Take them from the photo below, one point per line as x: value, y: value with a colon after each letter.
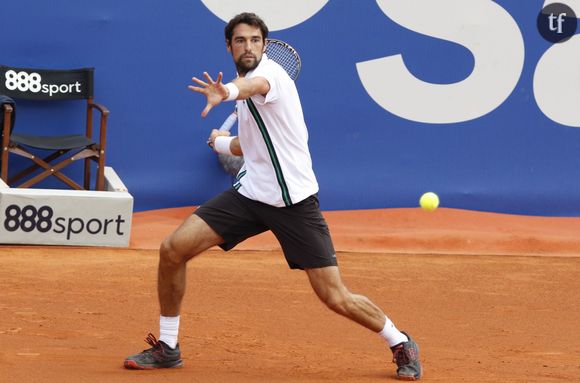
x: 488, y: 297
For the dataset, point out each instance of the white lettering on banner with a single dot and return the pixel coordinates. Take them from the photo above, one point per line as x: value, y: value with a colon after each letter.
x: 25, y: 82
x: 557, y: 82
x: 276, y: 13
x: 483, y: 27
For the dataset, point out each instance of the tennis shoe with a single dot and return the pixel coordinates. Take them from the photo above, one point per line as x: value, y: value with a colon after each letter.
x: 160, y: 355
x: 406, y: 356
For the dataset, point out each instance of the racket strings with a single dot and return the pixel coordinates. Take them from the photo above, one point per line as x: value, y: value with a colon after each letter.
x: 286, y: 57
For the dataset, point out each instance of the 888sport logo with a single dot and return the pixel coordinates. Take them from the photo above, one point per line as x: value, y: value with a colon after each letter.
x: 32, y: 82
x: 43, y: 219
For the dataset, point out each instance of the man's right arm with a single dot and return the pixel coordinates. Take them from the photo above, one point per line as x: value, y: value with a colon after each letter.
x: 248, y: 87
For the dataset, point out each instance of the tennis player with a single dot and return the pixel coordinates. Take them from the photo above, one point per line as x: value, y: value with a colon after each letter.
x: 275, y: 190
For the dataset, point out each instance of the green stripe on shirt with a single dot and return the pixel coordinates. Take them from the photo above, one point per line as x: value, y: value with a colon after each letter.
x: 271, y: 152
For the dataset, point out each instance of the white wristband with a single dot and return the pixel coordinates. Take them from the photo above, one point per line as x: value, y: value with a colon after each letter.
x: 234, y: 91
x: 221, y: 144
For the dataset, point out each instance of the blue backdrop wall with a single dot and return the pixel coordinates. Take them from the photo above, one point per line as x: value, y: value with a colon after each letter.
x: 463, y: 98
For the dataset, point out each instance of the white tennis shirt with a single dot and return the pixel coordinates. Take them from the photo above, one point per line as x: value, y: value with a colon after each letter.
x: 274, y: 139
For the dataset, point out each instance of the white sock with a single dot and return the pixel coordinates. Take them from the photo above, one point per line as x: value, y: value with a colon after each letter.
x: 391, y: 334
x: 168, y: 330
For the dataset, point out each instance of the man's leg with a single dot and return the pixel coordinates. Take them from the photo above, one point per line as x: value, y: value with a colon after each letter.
x: 190, y: 239
x: 193, y: 237
x: 328, y: 285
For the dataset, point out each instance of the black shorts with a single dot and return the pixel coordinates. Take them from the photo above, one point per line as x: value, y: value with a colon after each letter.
x: 300, y: 228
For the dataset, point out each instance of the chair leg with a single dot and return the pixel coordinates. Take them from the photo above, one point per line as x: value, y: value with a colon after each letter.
x: 87, y: 179
x: 101, y: 173
x: 101, y: 180
x: 4, y: 165
x: 7, y: 120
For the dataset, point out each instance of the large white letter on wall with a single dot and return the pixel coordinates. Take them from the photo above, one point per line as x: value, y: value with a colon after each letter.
x: 557, y: 78
x: 483, y: 27
x: 278, y: 14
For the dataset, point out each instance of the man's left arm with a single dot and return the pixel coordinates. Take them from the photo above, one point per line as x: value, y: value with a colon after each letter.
x: 232, y: 144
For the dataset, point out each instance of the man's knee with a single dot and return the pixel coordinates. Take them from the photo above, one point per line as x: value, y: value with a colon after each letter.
x: 169, y: 253
x: 192, y: 238
x: 338, y: 301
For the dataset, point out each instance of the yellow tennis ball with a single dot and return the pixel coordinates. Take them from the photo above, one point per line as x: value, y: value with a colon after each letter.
x: 429, y: 201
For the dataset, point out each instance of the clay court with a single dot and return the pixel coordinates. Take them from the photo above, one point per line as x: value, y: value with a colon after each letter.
x: 489, y: 298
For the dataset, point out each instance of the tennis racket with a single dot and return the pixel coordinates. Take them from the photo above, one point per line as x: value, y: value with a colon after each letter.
x: 283, y: 54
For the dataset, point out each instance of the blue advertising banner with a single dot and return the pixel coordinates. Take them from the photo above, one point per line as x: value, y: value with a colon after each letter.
x: 475, y: 100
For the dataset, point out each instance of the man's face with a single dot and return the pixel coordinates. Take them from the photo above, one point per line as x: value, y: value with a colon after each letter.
x: 246, y: 47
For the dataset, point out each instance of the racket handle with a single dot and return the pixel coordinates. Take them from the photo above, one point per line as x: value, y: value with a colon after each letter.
x: 229, y: 122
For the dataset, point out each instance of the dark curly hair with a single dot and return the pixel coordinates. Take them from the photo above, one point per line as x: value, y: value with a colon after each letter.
x: 245, y: 18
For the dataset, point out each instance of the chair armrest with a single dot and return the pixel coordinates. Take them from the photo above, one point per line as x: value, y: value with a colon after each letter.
x: 8, y: 109
x: 7, y: 122
x: 101, y: 108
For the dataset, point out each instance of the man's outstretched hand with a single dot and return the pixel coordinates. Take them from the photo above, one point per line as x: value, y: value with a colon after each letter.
x: 214, y: 91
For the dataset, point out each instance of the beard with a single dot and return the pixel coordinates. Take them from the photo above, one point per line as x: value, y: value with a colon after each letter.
x: 244, y: 65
